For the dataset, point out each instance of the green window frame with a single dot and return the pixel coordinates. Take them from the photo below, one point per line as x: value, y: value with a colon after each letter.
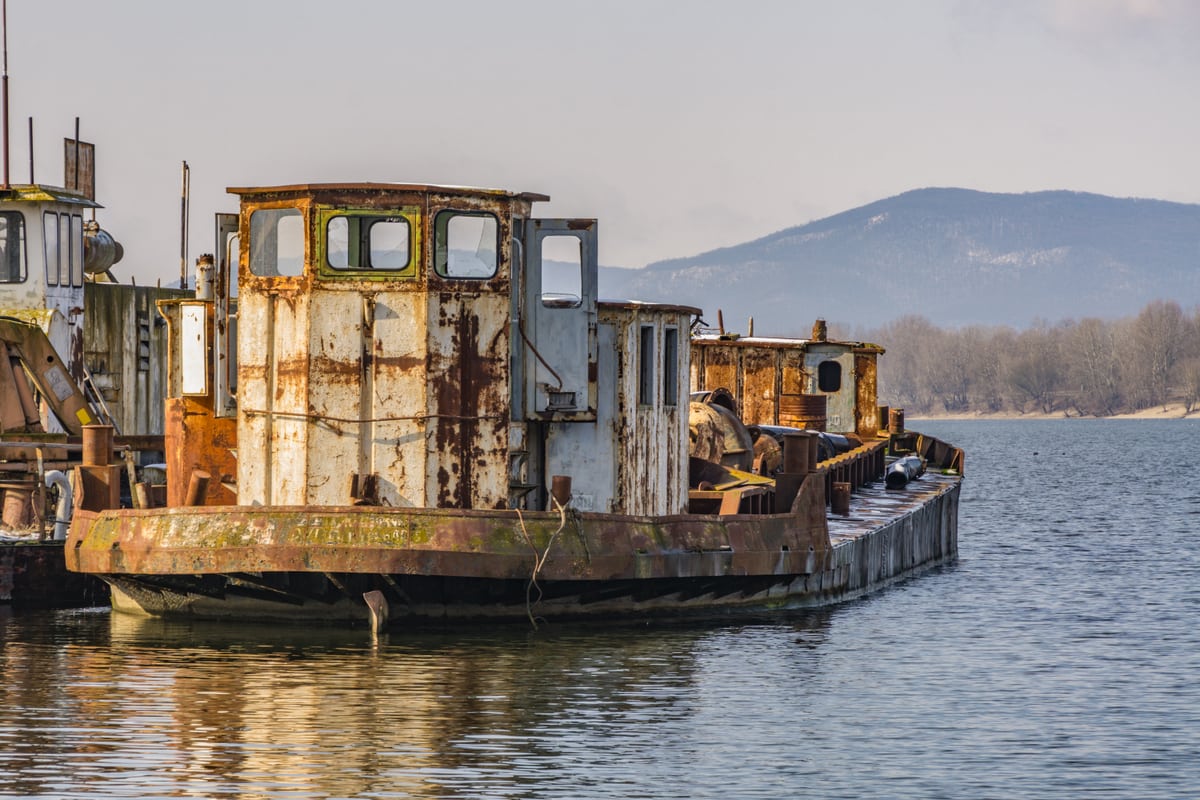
x: 375, y: 244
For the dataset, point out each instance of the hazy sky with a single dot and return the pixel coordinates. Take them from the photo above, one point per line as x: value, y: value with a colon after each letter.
x: 682, y: 126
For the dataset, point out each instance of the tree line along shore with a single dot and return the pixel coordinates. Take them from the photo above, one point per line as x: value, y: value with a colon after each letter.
x: 1090, y: 367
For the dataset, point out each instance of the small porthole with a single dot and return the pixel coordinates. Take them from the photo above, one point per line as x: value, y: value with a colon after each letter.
x: 829, y: 376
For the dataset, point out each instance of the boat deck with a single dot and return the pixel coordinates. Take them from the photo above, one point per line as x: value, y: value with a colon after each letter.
x: 873, y: 504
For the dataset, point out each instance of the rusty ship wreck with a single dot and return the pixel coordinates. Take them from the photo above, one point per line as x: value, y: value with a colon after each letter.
x: 392, y: 402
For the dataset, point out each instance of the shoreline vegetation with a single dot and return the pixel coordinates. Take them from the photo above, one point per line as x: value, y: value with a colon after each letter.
x: 1171, y: 411
x: 1141, y: 367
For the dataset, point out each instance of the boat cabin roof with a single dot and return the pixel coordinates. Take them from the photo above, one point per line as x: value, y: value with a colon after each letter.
x: 40, y: 193
x: 318, y: 189
x: 639, y: 305
x: 779, y: 342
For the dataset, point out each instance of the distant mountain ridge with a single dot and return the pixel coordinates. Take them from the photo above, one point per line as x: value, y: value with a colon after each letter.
x: 955, y: 256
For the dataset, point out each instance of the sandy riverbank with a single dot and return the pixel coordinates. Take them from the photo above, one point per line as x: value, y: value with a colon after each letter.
x: 1171, y: 411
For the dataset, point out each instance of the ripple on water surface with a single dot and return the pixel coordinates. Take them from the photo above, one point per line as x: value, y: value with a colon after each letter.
x: 1057, y: 658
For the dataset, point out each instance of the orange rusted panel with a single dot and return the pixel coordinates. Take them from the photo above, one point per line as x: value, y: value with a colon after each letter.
x: 196, y: 440
x: 718, y: 368
x: 759, y: 400
x: 98, y: 487
x: 793, y: 376
x: 866, y: 410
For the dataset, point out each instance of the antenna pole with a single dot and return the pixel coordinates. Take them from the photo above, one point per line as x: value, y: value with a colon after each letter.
x: 75, y: 180
x: 183, y: 228
x: 4, y: 88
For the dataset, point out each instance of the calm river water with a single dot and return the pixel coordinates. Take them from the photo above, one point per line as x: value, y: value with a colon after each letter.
x: 1060, y: 657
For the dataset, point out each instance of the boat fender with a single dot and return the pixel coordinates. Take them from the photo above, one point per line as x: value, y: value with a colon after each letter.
x: 904, y: 470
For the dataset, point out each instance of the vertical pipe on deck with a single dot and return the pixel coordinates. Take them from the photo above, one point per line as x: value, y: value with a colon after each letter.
x: 197, y: 488
x: 4, y: 90
x: 97, y: 445
x: 796, y: 453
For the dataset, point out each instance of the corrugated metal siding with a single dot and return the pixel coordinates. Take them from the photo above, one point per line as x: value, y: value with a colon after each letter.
x: 652, y: 461
x: 588, y: 451
x: 633, y: 460
x: 125, y: 349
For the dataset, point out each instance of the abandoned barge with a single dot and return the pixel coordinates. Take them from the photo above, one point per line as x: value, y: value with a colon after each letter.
x: 397, y: 402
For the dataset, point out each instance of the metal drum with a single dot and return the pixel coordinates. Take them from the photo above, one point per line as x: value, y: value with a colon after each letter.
x: 803, y: 411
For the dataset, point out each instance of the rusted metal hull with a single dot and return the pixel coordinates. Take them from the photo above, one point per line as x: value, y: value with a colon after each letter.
x: 33, y: 574
x: 316, y: 563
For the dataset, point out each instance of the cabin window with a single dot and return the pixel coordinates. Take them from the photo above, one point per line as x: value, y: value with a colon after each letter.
x: 64, y: 250
x: 276, y: 242
x: 76, y: 250
x: 466, y: 244
x: 50, y: 241
x: 562, y: 271
x: 646, y: 366
x: 12, y: 247
x: 368, y: 243
x: 233, y: 243
x: 829, y: 376
x: 670, y: 366
x: 359, y: 242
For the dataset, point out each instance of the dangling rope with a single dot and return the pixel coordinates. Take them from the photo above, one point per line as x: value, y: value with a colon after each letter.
x: 539, y: 559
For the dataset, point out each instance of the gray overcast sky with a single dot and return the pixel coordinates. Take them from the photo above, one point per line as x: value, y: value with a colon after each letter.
x: 682, y: 126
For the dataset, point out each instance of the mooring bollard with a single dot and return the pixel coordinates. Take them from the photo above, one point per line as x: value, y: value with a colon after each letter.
x: 97, y: 445
x: 560, y: 490
x: 840, y: 501
x: 796, y: 453
x: 97, y: 479
x: 197, y: 488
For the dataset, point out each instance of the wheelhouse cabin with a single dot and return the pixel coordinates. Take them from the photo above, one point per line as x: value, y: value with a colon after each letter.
x: 816, y: 383
x: 423, y: 346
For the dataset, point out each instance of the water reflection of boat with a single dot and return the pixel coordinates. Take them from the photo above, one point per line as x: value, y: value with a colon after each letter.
x: 404, y: 436
x: 153, y: 707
